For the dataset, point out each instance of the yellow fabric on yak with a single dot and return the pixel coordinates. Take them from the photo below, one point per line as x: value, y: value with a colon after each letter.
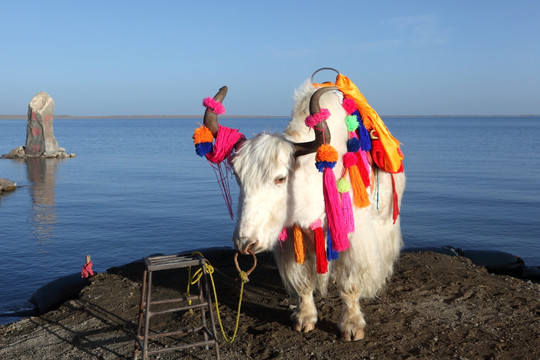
x: 372, y: 121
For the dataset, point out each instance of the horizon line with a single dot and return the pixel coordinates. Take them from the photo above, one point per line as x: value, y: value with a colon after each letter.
x: 17, y: 117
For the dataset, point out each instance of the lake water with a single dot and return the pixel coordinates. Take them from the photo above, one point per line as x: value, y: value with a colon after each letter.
x: 137, y: 187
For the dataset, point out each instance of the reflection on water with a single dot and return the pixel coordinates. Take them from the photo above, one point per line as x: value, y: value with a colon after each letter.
x: 41, y: 175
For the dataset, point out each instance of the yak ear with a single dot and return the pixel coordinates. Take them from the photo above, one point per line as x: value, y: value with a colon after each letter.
x: 322, y: 132
x: 210, y: 117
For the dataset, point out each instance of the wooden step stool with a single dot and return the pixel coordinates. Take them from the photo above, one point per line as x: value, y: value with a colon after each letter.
x: 203, y: 302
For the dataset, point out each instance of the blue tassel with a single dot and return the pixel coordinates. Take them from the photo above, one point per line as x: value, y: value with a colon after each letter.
x: 203, y: 148
x: 331, y: 253
x: 321, y: 165
x: 363, y: 134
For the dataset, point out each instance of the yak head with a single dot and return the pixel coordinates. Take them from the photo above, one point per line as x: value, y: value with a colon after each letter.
x: 265, y: 168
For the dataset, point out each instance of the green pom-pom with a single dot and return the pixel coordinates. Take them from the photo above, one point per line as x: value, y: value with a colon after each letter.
x: 352, y: 122
x: 343, y: 185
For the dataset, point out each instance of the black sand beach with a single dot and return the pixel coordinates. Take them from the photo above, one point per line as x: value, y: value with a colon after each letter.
x: 435, y: 306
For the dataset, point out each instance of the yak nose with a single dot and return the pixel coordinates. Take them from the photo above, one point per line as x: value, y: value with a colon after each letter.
x: 243, y: 245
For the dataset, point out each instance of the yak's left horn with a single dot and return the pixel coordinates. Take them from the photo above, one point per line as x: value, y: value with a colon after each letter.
x: 210, y: 118
x: 322, y: 132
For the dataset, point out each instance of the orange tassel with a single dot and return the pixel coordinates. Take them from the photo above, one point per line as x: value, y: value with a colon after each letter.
x: 299, y: 245
x: 360, y: 195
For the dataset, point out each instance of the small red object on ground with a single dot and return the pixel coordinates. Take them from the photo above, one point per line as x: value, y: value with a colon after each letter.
x: 86, y: 270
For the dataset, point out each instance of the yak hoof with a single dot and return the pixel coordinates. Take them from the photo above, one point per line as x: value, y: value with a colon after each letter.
x: 304, y: 327
x: 304, y: 320
x: 353, y: 335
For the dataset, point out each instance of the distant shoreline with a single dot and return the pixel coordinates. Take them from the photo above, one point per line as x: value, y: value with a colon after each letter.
x: 16, y: 117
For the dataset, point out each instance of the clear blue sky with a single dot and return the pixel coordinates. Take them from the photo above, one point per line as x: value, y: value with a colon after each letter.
x: 164, y: 57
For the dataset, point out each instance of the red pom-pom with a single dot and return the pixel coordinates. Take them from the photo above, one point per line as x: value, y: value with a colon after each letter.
x: 349, y: 159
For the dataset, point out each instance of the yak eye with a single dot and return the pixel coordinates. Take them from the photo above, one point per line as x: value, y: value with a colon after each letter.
x: 280, y: 180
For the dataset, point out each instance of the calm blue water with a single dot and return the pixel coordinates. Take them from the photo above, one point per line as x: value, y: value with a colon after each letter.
x: 136, y: 187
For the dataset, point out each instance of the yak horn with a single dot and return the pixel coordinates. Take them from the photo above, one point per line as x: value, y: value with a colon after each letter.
x: 322, y: 132
x: 210, y: 117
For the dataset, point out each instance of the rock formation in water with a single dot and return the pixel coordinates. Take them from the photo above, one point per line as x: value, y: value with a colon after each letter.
x: 6, y: 185
x: 40, y: 140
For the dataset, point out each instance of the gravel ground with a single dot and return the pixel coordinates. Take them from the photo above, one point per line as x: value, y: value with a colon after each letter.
x: 434, y: 307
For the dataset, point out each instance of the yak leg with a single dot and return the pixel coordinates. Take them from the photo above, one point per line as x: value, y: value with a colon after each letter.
x: 301, y: 280
x: 305, y: 315
x: 352, y: 323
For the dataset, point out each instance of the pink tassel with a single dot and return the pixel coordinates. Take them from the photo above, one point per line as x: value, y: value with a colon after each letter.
x: 363, y: 166
x: 283, y: 235
x: 334, y: 214
x: 365, y: 161
x: 348, y: 216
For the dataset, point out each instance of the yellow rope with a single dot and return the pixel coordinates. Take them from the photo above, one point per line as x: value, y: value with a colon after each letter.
x: 210, y: 270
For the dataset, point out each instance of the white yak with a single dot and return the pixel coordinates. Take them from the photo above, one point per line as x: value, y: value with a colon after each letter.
x: 281, y: 187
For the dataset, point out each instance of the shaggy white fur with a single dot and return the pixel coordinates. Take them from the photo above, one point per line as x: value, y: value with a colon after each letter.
x: 278, y: 190
x: 262, y: 167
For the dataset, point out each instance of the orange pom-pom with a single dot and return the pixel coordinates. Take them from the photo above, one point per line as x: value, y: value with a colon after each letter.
x: 202, y: 135
x: 326, y: 152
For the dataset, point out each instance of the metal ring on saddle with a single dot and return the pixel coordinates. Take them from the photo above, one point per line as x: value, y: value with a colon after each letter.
x: 252, y: 268
x: 321, y: 69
